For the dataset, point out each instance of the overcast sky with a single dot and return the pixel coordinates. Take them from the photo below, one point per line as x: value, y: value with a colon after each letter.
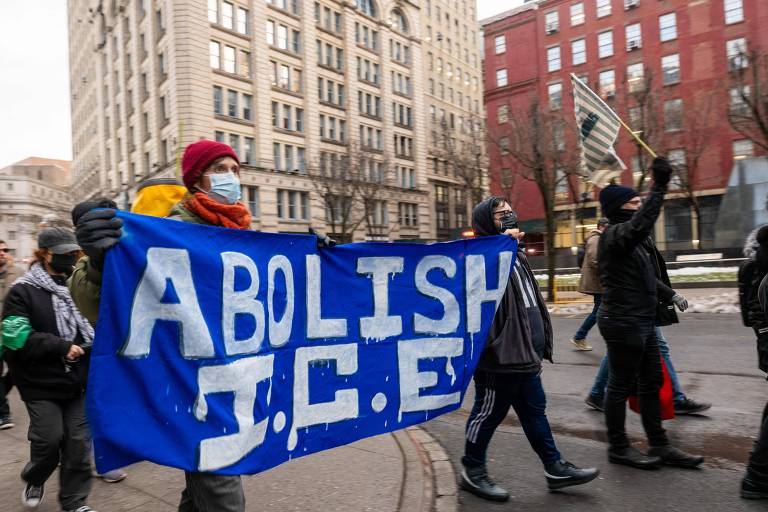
x: 34, y: 77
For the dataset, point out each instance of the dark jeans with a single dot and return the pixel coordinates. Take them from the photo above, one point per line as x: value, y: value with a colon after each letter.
x: 6, y: 384
x: 495, y: 393
x: 591, y: 319
x: 58, y: 432
x: 207, y: 492
x: 757, y: 469
x: 633, y: 354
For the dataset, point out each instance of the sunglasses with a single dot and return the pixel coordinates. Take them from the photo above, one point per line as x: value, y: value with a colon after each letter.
x: 6, y: 250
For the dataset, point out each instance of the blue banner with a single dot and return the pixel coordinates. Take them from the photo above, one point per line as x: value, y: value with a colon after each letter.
x: 234, y: 351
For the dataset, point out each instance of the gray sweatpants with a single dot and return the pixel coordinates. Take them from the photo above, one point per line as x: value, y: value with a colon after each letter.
x: 58, y: 432
x: 207, y: 492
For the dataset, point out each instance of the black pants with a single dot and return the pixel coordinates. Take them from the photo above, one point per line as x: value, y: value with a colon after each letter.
x: 5, y: 387
x: 495, y: 393
x: 633, y: 354
x: 757, y: 469
x: 58, y: 432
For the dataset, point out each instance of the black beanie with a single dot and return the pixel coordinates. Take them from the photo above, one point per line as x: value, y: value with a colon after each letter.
x: 613, y: 196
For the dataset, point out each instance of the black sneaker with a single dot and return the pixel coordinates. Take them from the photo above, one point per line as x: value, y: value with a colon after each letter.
x: 753, y: 490
x: 595, y: 402
x: 32, y: 495
x: 564, y: 474
x: 672, y: 456
x: 6, y: 422
x: 477, y: 481
x: 688, y: 406
x: 633, y: 457
x: 84, y: 508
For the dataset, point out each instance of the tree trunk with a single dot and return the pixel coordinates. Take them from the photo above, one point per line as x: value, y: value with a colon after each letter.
x: 550, y: 248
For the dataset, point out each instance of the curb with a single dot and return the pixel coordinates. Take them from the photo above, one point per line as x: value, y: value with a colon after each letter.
x: 441, y: 493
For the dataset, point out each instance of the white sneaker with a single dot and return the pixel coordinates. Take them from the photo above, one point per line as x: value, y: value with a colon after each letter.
x: 581, y: 345
x: 32, y: 495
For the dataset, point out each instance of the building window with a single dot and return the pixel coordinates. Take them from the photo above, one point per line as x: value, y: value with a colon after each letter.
x: 501, y: 77
x: 668, y: 27
x: 234, y: 142
x: 734, y: 11
x: 743, y: 148
x: 677, y: 221
x: 605, y: 44
x: 249, y: 155
x: 553, y: 58
x: 670, y: 68
x: 218, y: 136
x: 739, y: 97
x: 245, y: 64
x: 251, y: 197
x: 551, y: 22
x: 504, y: 145
x: 603, y: 8
x: 555, y: 92
x: 502, y: 114
x: 577, y: 14
x: 634, y: 37
x: 635, y: 77
x: 607, y: 81
x: 678, y: 160
x: 673, y: 115
x: 398, y: 21
x: 232, y: 103
x: 286, y: 77
x: 217, y: 101
x: 500, y: 43
x: 578, y: 51
x: 213, y: 10
x: 247, y: 107
x: 406, y: 214
x: 215, y: 52
x: 229, y: 59
x: 243, y: 26
x: 227, y: 15
x: 367, y: 7
x: 736, y: 51
x: 292, y: 205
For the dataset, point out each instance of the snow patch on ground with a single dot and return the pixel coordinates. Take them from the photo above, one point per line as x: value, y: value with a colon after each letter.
x: 721, y: 302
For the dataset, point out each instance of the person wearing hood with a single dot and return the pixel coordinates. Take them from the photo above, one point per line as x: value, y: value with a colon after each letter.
x: 589, y: 284
x: 627, y: 318
x: 46, y: 341
x: 755, y: 482
x: 508, y: 373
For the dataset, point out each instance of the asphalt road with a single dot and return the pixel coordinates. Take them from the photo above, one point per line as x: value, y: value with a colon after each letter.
x: 716, y: 361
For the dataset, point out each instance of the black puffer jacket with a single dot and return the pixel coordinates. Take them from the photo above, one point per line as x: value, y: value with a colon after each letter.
x: 38, y: 368
x: 665, y: 309
x: 627, y: 270
x: 509, y: 347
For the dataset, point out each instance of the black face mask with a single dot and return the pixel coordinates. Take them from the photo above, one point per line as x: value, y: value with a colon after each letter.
x: 63, y: 263
x: 509, y: 221
x: 621, y: 215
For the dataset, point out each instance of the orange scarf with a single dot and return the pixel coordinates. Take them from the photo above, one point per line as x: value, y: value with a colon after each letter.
x: 235, y: 216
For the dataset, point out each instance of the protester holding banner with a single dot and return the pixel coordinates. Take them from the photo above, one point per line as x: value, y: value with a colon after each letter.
x: 508, y: 374
x: 626, y: 321
x: 46, y: 338
x: 211, y: 173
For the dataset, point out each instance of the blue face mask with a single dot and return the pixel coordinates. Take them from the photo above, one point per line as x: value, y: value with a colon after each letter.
x: 226, y: 186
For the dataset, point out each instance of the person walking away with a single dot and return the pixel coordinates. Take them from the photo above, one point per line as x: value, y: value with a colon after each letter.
x: 589, y: 284
x: 752, y: 285
x: 8, y: 274
x: 626, y: 320
x: 46, y: 341
x: 508, y: 373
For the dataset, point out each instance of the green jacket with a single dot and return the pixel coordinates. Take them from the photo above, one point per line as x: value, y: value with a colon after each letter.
x: 85, y: 282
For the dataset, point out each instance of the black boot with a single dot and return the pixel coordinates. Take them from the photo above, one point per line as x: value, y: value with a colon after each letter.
x: 477, y: 481
x: 672, y: 456
x: 564, y: 474
x: 633, y: 457
x: 752, y: 489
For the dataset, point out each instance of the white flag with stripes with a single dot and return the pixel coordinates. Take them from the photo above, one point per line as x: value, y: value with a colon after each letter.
x: 598, y: 128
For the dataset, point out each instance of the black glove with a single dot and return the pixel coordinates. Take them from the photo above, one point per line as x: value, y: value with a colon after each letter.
x: 662, y: 171
x: 323, y: 241
x: 97, y: 231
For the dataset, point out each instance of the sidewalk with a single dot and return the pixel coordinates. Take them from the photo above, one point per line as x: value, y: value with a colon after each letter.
x: 400, y: 472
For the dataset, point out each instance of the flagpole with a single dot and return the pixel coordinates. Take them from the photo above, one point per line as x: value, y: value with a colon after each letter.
x: 636, y: 137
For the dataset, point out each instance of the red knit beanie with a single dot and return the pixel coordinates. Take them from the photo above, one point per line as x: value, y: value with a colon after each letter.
x: 199, y: 155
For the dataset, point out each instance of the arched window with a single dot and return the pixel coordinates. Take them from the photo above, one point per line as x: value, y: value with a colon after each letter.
x: 367, y: 7
x: 398, y: 21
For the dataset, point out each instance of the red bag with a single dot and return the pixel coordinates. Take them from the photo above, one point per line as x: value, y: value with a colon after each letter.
x: 665, y: 397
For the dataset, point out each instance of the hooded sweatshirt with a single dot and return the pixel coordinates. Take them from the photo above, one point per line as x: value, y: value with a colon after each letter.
x: 521, y: 332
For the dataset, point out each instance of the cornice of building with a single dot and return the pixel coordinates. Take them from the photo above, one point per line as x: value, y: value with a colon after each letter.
x: 527, y: 6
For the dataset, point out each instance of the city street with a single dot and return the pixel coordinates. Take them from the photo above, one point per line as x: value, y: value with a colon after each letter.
x: 715, y: 356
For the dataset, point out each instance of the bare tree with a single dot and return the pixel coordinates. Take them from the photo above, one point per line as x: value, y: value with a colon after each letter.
x: 462, y: 147
x: 334, y: 182
x: 748, y: 92
x: 541, y: 145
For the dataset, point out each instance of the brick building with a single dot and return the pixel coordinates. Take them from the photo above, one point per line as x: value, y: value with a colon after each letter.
x: 664, y: 66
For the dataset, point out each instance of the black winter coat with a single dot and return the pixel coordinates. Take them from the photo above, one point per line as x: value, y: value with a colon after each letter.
x: 509, y: 347
x: 665, y: 309
x: 39, y: 369
x: 627, y: 270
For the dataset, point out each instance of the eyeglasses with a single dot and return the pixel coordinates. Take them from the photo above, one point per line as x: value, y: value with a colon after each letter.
x: 5, y: 250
